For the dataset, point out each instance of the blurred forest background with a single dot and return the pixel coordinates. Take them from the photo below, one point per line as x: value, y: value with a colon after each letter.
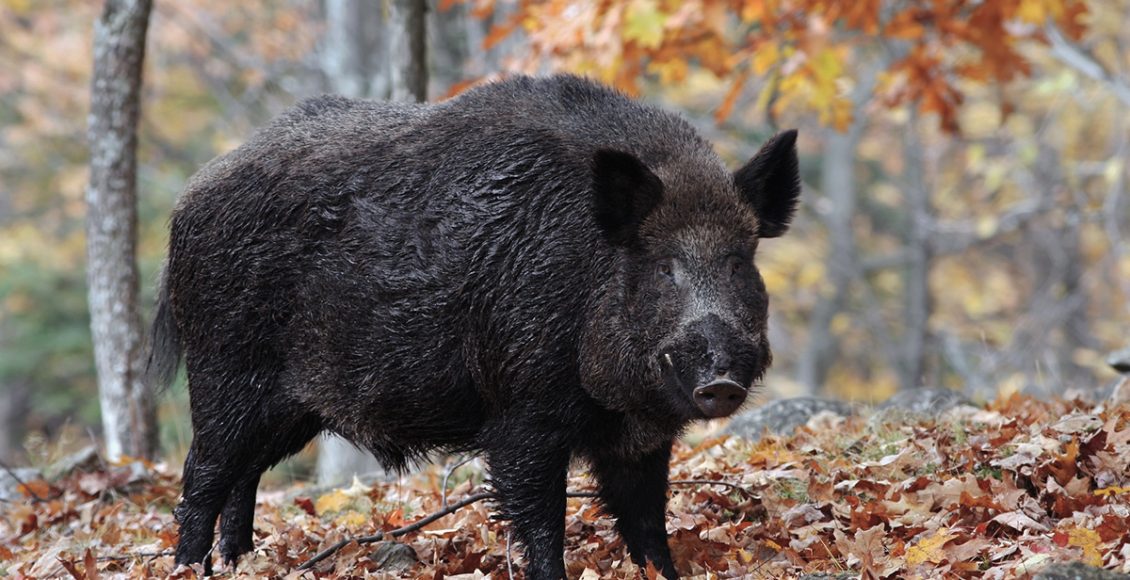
x: 965, y: 209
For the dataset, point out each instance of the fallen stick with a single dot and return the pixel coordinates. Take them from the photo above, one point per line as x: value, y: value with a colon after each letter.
x: 452, y: 508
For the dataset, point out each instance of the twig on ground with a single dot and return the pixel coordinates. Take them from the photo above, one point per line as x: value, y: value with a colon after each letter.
x: 474, y: 498
x: 447, y: 474
x: 736, y: 488
x: 398, y: 531
x: 509, y: 563
x: 28, y: 490
x: 135, y: 556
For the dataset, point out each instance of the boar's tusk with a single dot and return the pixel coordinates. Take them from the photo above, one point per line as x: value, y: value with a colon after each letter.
x: 667, y: 357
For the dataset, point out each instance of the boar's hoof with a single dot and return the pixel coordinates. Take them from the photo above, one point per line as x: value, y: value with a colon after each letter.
x: 719, y: 398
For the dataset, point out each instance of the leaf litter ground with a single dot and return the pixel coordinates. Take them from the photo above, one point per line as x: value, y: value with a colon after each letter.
x: 997, y: 492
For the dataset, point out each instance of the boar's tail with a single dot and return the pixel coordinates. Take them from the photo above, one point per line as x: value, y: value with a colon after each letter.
x: 164, y: 342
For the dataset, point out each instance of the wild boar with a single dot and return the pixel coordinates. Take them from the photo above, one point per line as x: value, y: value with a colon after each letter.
x: 540, y: 270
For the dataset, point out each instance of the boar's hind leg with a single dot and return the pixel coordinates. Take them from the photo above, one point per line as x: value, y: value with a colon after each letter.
x: 635, y: 493
x: 233, y: 442
x: 530, y: 483
x: 239, y: 510
x: 206, y: 486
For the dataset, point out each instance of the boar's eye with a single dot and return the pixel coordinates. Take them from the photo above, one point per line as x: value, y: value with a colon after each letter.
x: 665, y: 269
x: 735, y: 264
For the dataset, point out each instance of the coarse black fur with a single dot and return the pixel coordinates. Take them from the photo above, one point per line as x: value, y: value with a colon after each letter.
x: 539, y: 269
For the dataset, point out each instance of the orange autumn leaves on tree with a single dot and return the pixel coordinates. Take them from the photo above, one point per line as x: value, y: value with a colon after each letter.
x: 801, y: 47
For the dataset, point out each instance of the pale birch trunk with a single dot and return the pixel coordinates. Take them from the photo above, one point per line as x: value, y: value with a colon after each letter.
x: 128, y: 411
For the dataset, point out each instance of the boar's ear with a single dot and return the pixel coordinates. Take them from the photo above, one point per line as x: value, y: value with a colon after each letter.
x: 625, y: 191
x: 770, y: 182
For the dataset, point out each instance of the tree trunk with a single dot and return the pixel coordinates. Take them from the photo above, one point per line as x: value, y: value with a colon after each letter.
x: 353, y: 53
x: 15, y: 405
x: 450, y: 51
x: 916, y: 289
x: 128, y: 412
x: 837, y: 180
x: 408, y: 49
x: 14, y: 391
x: 837, y: 183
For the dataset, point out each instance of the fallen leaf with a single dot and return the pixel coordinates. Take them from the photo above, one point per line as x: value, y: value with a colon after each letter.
x: 929, y: 549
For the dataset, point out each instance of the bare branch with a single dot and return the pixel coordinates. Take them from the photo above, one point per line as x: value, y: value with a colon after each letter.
x: 727, y: 484
x: 956, y: 237
x: 24, y: 486
x: 135, y: 556
x: 447, y: 475
x: 398, y: 531
x: 1083, y: 61
x: 474, y: 498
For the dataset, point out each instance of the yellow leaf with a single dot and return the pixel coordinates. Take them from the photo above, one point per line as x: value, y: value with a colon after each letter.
x: 20, y: 7
x: 1089, y: 540
x: 929, y: 549
x: 334, y: 501
x: 1032, y: 11
x: 351, y: 519
x: 765, y: 57
x: 671, y: 71
x: 643, y: 23
x: 1110, y: 491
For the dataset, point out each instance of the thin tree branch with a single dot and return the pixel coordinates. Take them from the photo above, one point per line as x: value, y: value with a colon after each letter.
x: 447, y: 475
x: 398, y: 531
x: 24, y: 486
x: 474, y: 498
x: 727, y: 484
x: 1083, y: 61
x: 138, y: 555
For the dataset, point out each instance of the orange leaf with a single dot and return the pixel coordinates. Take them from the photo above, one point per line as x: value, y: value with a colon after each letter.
x: 90, y: 565
x: 36, y: 489
x: 731, y: 97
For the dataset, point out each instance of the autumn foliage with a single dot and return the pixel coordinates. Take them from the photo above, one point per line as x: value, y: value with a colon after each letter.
x: 926, y: 50
x: 993, y: 492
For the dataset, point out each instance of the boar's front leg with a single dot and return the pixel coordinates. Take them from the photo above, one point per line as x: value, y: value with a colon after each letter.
x: 635, y: 493
x: 528, y: 475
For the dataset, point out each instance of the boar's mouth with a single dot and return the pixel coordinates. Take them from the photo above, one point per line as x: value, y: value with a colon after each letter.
x: 716, y: 398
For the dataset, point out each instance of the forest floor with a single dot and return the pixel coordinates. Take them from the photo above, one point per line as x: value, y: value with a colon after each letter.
x: 996, y: 492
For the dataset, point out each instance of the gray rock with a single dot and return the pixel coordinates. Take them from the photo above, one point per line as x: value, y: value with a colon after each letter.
x: 925, y: 401
x: 1119, y: 360
x: 85, y: 459
x: 783, y: 416
x: 1077, y: 571
x: 10, y: 486
x: 393, y: 556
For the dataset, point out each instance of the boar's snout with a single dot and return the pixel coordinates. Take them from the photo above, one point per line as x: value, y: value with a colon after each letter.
x: 719, y: 398
x: 713, y: 365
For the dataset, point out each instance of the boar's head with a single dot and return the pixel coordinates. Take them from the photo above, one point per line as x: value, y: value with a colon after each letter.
x: 687, y: 303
